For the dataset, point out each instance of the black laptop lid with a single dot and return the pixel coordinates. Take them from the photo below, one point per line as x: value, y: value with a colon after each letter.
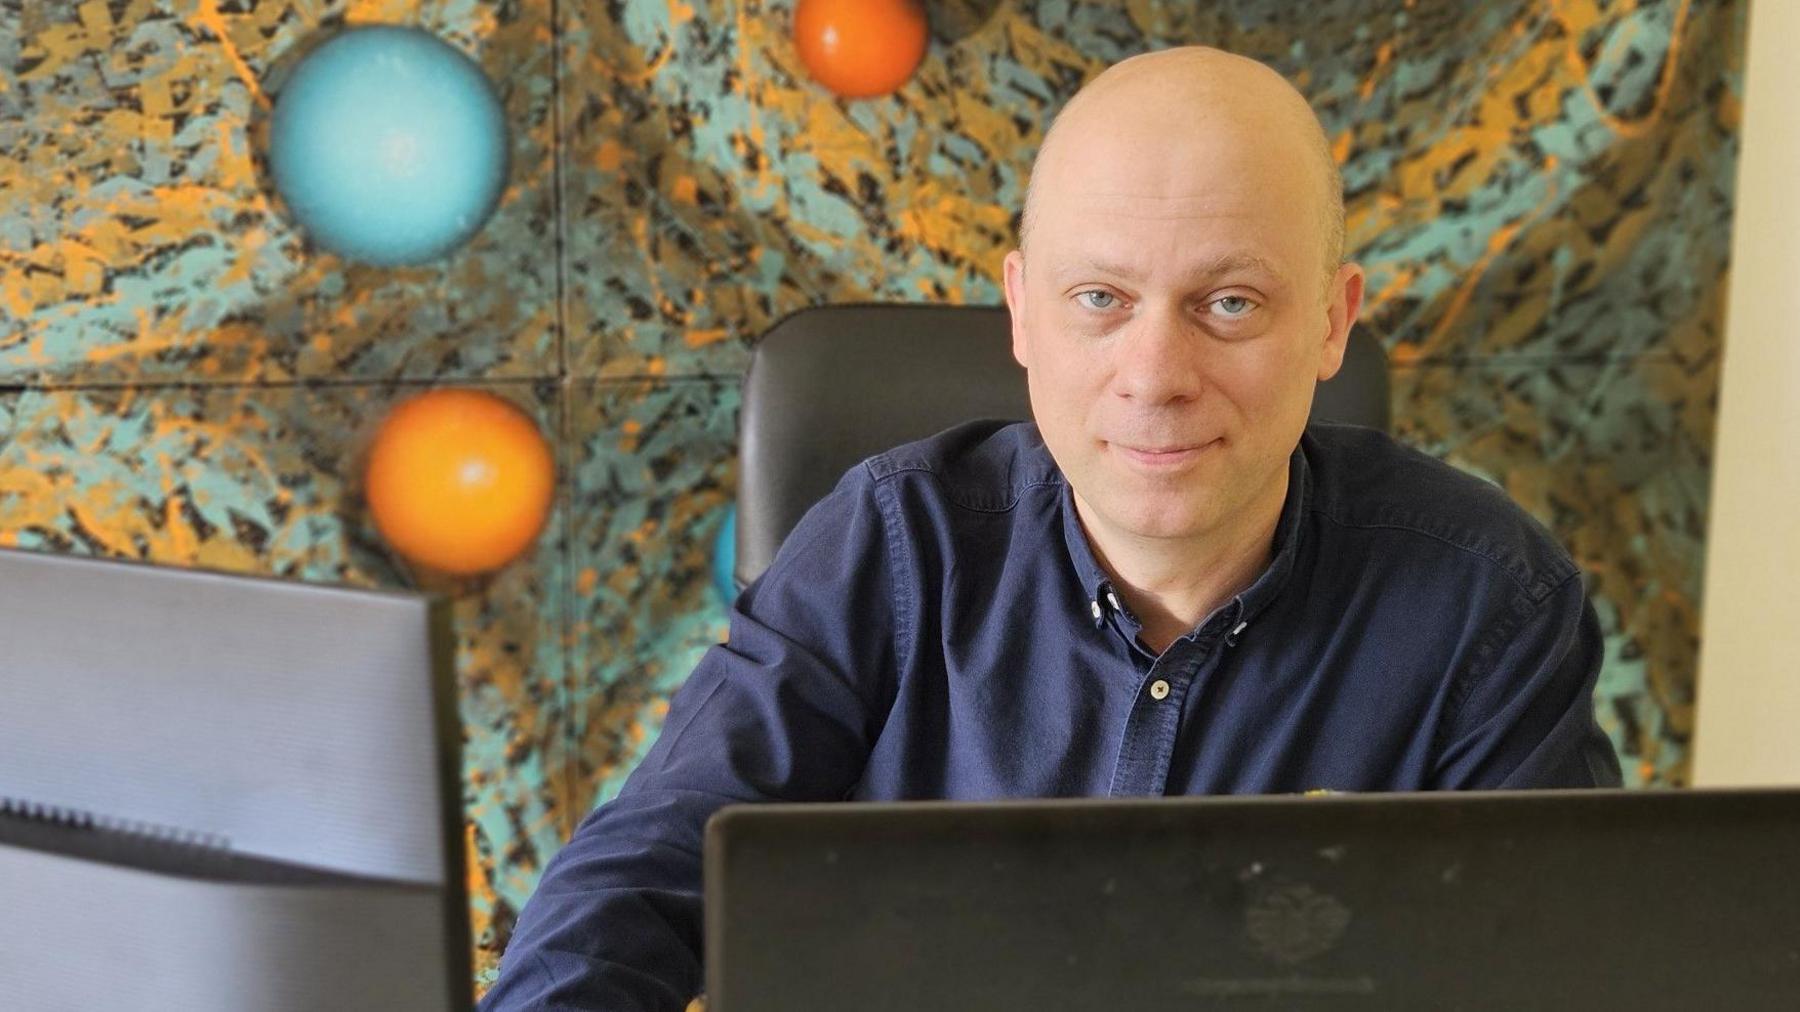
x: 1542, y: 900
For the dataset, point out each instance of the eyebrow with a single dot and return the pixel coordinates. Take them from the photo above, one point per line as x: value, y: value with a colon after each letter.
x: 1229, y: 263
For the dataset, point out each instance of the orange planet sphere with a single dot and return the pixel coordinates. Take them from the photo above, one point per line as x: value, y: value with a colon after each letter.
x: 459, y: 481
x: 861, y: 48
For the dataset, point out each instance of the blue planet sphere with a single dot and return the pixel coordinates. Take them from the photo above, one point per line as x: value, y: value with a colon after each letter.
x: 388, y: 145
x: 724, y: 559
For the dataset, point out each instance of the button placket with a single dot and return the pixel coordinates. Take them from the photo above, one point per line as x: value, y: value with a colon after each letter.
x: 1151, y: 728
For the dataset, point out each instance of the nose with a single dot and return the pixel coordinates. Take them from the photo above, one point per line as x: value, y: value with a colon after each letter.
x: 1156, y: 360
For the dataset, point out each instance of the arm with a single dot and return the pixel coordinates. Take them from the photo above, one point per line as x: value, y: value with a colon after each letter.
x: 1526, y: 713
x: 786, y: 710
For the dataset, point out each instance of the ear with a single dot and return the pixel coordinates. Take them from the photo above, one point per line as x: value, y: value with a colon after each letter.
x: 1344, y: 302
x: 1014, y: 271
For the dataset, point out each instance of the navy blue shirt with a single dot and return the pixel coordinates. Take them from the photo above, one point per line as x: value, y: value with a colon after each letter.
x: 939, y: 627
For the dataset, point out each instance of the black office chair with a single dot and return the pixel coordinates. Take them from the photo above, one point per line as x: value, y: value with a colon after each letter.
x: 832, y: 385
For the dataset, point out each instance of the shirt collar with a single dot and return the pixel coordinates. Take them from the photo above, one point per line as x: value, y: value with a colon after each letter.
x: 1288, y: 530
x: 1097, y: 586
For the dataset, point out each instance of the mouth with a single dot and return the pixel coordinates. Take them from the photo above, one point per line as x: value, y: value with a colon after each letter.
x: 1166, y: 456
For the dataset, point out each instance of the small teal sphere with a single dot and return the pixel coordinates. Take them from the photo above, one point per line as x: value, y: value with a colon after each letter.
x: 388, y: 145
x: 724, y: 559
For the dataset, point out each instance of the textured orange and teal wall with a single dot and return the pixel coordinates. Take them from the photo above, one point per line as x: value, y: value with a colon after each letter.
x: 1540, y: 189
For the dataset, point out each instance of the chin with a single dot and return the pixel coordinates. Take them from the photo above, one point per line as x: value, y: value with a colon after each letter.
x: 1184, y: 521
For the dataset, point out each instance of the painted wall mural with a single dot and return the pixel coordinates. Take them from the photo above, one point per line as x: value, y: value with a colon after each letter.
x: 1540, y: 189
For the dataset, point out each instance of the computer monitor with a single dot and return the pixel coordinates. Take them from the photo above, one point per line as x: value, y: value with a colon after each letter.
x: 1551, y: 900
x: 226, y: 792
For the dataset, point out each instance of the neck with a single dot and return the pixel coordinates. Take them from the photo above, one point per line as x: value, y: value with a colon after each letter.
x: 1172, y: 584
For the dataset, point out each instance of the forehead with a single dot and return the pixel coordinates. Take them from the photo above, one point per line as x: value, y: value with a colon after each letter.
x: 1199, y: 192
x: 1170, y: 209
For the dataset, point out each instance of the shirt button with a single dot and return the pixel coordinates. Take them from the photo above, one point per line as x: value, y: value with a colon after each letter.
x: 1096, y: 605
x: 1113, y: 600
x: 1159, y: 689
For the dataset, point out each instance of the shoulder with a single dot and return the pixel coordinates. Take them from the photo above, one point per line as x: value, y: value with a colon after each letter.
x: 971, y: 473
x: 981, y: 465
x: 1363, y: 481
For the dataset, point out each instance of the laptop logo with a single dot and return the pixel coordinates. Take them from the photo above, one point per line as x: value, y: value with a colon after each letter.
x: 1291, y: 923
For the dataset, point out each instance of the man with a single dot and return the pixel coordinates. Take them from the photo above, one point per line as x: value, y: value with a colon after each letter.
x: 1161, y: 587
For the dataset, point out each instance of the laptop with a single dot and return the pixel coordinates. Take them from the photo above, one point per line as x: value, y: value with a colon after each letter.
x: 1597, y: 899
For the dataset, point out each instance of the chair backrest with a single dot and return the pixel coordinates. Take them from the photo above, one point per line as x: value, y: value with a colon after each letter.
x: 832, y: 385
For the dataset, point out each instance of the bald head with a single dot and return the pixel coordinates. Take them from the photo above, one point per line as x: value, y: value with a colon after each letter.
x: 1153, y: 107
x: 1170, y: 310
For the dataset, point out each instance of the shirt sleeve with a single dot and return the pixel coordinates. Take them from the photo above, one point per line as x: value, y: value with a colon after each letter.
x: 786, y: 710
x: 1526, y: 714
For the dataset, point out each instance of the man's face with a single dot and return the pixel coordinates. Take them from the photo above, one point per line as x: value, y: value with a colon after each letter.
x: 1173, y: 313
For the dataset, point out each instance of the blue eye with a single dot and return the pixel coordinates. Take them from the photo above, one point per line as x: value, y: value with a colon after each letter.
x: 1097, y: 299
x: 1234, y: 307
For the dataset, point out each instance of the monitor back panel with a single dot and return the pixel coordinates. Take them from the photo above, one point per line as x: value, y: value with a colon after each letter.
x: 163, y: 731
x: 287, y: 721
x: 1543, y: 900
